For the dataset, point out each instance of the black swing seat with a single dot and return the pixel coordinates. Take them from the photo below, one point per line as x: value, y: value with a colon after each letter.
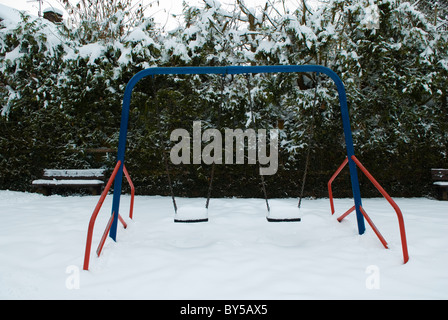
x: 283, y: 213
x: 191, y: 214
x: 283, y: 219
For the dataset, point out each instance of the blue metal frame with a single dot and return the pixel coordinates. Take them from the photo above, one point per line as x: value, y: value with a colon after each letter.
x: 235, y: 70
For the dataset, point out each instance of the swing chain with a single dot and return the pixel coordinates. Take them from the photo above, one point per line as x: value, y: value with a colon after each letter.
x: 253, y: 120
x: 212, y: 174
x: 312, y: 125
x: 162, y: 141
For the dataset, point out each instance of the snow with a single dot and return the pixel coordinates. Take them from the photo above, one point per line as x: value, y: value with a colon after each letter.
x: 191, y: 212
x: 10, y: 17
x: 14, y: 54
x: 280, y: 210
x: 74, y: 172
x: 54, y: 9
x: 236, y: 255
x: 93, y: 51
x: 57, y: 182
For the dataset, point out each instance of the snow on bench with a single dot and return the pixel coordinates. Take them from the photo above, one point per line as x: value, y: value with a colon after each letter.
x: 52, y: 179
x: 74, y: 173
x: 440, y: 181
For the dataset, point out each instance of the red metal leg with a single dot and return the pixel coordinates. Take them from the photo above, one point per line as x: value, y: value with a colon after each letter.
x: 128, y: 178
x: 346, y: 213
x: 103, y: 238
x: 95, y: 214
x: 372, y: 225
x: 330, y: 193
x: 393, y: 204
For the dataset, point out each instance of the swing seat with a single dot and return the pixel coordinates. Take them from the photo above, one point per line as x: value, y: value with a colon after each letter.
x: 283, y: 213
x: 191, y: 214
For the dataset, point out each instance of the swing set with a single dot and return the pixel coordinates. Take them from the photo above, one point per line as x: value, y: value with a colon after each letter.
x: 201, y: 213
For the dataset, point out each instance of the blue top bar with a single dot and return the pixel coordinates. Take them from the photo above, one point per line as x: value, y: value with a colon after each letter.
x: 233, y: 70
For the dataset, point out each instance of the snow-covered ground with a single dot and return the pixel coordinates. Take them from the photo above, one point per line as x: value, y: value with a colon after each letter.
x: 236, y: 255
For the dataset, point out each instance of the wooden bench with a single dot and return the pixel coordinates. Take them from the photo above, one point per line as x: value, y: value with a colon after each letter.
x: 440, y: 178
x: 65, y: 180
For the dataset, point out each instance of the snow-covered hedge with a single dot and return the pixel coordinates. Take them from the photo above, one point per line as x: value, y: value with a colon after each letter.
x: 61, y: 88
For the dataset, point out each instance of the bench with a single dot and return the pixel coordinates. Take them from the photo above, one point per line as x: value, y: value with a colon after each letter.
x: 64, y: 180
x: 440, y: 181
